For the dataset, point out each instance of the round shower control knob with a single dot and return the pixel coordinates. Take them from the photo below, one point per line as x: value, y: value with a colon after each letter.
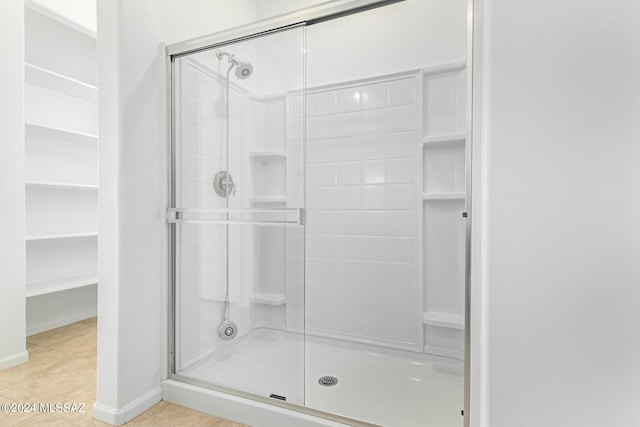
x: 227, y: 330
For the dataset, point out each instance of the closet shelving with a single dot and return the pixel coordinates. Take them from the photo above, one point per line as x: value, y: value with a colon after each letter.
x: 59, y: 285
x: 61, y: 185
x: 60, y: 83
x: 61, y: 140
x: 34, y: 130
x: 61, y: 236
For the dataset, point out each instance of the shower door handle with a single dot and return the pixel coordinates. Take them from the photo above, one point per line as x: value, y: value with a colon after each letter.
x: 290, y: 216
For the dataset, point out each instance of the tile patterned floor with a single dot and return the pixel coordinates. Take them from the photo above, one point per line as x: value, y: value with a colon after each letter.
x: 62, y: 368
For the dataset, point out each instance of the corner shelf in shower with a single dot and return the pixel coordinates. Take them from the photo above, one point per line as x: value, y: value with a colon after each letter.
x: 443, y: 320
x: 268, y: 299
x: 58, y: 285
x: 444, y: 140
x: 268, y: 154
x: 443, y: 196
x: 268, y: 200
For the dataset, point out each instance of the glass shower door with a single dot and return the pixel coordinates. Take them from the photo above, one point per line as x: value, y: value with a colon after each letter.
x: 237, y: 216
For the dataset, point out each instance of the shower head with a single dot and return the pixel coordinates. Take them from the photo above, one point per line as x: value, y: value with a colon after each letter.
x: 244, y: 69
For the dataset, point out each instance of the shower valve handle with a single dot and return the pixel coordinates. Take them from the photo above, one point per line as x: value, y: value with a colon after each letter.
x: 228, y: 186
x: 223, y: 184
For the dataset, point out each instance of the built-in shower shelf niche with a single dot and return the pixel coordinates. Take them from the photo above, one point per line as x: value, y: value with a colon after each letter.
x: 444, y: 320
x: 444, y: 95
x: 444, y: 351
x: 268, y: 298
x: 268, y: 200
x: 444, y: 140
x: 268, y: 155
x: 443, y: 196
x: 59, y: 285
x: 269, y: 173
x: 444, y: 166
x: 442, y: 151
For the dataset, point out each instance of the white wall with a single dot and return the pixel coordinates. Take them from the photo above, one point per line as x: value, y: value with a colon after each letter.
x: 405, y: 36
x: 422, y: 33
x: 269, y: 8
x: 186, y: 19
x: 12, y: 194
x: 361, y: 229
x: 562, y: 97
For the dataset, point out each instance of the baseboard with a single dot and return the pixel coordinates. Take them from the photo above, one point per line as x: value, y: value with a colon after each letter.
x: 14, y: 359
x: 60, y: 321
x: 117, y: 417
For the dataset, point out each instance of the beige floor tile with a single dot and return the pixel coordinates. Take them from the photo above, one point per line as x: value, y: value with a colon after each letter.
x: 13, y: 418
x: 52, y: 386
x: 62, y: 368
x: 153, y: 411
x: 170, y: 415
x: 41, y: 361
x: 77, y: 340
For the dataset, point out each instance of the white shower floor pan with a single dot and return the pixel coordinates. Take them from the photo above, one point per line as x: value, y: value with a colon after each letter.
x: 386, y: 387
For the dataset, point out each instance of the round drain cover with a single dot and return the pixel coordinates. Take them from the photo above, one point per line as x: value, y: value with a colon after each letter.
x: 328, y: 381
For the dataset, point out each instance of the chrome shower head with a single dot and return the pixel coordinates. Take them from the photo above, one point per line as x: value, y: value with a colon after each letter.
x: 244, y: 69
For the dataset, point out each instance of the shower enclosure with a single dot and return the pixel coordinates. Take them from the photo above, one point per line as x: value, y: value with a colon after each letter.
x: 317, y: 228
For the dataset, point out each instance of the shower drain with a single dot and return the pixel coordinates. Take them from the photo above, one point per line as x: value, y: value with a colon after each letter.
x: 328, y: 381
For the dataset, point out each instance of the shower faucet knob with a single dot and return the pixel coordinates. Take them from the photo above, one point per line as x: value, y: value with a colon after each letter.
x: 223, y: 184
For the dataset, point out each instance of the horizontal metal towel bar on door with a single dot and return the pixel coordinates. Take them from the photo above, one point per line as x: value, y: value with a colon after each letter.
x: 292, y: 216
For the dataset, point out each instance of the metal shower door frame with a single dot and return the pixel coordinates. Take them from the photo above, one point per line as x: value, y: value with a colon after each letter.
x: 323, y: 12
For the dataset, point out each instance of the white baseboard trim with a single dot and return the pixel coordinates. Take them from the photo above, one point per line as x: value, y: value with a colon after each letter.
x: 117, y: 417
x: 60, y: 321
x: 14, y: 359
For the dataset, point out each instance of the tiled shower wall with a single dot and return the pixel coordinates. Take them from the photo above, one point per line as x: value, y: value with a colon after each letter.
x: 364, y: 199
x: 361, y: 200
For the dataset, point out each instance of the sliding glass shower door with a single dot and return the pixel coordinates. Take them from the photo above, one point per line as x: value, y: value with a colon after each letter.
x: 237, y: 216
